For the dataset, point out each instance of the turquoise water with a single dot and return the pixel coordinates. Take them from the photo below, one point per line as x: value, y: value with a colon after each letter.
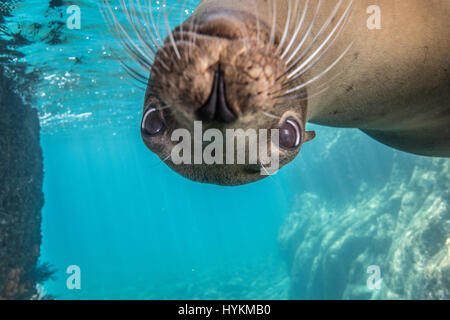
x: 136, y: 229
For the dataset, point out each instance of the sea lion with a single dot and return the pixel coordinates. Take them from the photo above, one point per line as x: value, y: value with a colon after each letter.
x: 279, y: 64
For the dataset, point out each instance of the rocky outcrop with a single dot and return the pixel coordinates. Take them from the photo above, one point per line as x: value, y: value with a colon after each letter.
x: 21, y: 174
x: 21, y: 198
x: 403, y: 228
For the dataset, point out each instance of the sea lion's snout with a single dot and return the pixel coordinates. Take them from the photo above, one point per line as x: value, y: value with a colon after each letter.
x: 216, y: 107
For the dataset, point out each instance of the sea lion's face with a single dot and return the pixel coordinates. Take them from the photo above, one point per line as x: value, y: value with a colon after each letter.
x: 209, y: 79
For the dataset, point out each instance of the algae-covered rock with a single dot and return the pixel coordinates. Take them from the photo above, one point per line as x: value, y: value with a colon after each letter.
x: 21, y: 173
x: 403, y: 229
x: 21, y: 198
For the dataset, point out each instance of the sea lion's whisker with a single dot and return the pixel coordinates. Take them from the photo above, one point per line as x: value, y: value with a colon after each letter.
x: 158, y: 21
x: 171, y: 83
x: 157, y: 70
x: 316, y: 37
x: 136, y: 75
x: 133, y: 73
x: 124, y: 38
x: 150, y: 34
x: 306, y: 35
x: 319, y: 57
x: 192, y: 27
x: 136, y: 57
x: 258, y: 25
x: 265, y: 170
x: 167, y: 29
x: 173, y: 111
x: 269, y: 86
x: 153, y: 88
x: 311, y: 89
x: 286, y: 27
x: 276, y: 81
x: 274, y: 23
x: 308, y: 97
x: 181, y: 21
x: 167, y: 158
x: 270, y: 175
x: 303, y: 85
x: 246, y: 41
x: 296, y: 12
x: 336, y: 28
x: 170, y: 35
x: 149, y: 10
x: 160, y: 162
x: 270, y: 115
x: 138, y: 33
x: 154, y: 35
x: 196, y: 27
x: 139, y: 87
x: 194, y: 32
x: 146, y: 64
x: 299, y: 26
x: 106, y: 15
x: 245, y: 38
x: 297, y: 30
x: 148, y: 26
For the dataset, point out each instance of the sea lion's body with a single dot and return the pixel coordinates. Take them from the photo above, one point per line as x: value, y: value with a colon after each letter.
x: 394, y: 83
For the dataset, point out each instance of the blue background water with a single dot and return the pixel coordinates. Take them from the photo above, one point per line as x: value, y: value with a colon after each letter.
x: 137, y: 229
x: 129, y: 221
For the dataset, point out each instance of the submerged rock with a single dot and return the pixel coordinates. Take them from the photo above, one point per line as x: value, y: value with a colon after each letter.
x: 21, y: 198
x: 21, y: 172
x: 403, y: 229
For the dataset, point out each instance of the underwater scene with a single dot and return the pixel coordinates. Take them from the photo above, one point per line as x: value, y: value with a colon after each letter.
x: 87, y: 211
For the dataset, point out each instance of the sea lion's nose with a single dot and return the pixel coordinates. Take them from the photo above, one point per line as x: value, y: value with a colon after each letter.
x: 216, y: 107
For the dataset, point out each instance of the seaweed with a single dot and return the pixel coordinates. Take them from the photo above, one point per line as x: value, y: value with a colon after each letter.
x: 42, y: 272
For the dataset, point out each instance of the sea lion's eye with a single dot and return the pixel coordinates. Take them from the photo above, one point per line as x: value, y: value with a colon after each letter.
x: 290, y: 134
x: 153, y: 123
